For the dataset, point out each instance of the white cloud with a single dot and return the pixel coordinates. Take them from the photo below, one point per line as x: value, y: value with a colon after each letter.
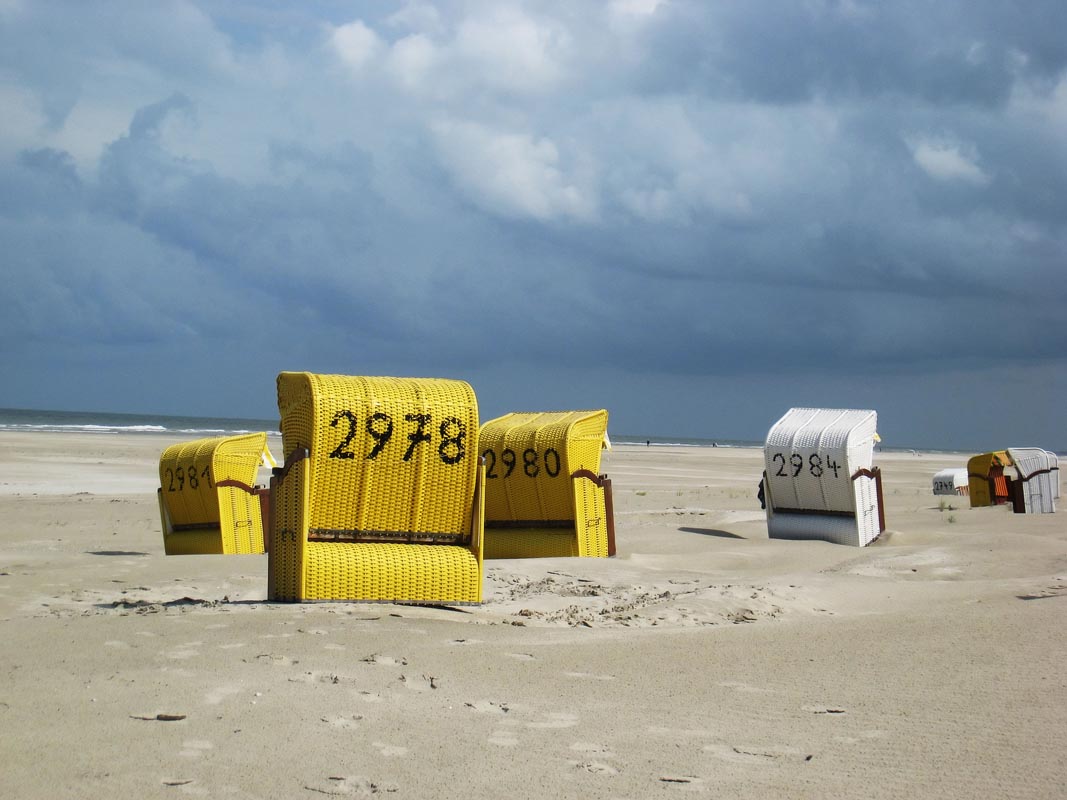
x: 511, y: 51
x: 412, y: 60
x: 356, y: 44
x: 513, y: 175
x: 947, y: 161
x: 634, y: 8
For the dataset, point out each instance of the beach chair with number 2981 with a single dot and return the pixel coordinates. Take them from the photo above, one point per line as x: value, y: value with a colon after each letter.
x: 208, y: 500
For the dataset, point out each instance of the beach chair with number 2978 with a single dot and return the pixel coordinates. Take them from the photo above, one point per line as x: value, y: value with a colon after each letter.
x: 544, y: 494
x: 380, y: 494
x: 208, y: 500
x: 818, y: 481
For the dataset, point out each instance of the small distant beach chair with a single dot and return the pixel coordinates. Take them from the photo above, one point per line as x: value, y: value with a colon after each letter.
x: 819, y: 481
x: 952, y: 482
x: 544, y: 494
x: 1037, y: 480
x: 379, y: 498
x: 208, y: 500
x: 987, y: 480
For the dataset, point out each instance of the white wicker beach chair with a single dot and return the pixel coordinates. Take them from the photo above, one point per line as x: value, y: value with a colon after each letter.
x: 1034, y: 491
x: 951, y: 481
x: 819, y: 481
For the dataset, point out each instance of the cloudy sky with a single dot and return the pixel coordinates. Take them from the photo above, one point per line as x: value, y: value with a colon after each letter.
x: 693, y: 213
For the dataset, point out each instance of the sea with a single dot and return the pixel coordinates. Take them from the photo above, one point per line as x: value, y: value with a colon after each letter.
x: 17, y: 419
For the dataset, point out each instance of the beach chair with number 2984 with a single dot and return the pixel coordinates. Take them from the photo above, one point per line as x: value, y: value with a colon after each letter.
x: 818, y: 479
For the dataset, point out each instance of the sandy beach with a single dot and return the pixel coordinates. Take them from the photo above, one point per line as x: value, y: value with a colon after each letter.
x: 704, y: 660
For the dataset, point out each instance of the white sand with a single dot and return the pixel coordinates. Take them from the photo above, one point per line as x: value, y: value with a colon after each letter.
x: 706, y: 659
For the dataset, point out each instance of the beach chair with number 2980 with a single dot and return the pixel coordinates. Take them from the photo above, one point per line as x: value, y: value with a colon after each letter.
x: 544, y: 494
x: 208, y: 500
x: 818, y: 479
x: 380, y: 494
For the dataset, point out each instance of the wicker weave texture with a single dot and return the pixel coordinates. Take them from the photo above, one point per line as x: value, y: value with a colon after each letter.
x: 812, y: 453
x: 211, y: 518
x: 368, y: 473
x: 530, y: 543
x: 412, y: 573
x: 530, y: 459
x: 389, y: 458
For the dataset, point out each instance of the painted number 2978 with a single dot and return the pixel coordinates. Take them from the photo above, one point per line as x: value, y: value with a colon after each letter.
x: 451, y: 432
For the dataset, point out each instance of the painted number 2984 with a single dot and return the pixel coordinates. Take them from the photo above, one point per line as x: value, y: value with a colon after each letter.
x: 817, y: 465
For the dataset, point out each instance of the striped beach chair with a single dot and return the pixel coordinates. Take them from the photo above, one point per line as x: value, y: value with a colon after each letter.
x: 819, y: 482
x: 544, y: 494
x: 208, y: 500
x: 379, y: 498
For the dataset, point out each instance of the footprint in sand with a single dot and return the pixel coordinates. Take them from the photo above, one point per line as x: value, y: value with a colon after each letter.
x: 504, y: 738
x: 350, y: 786
x: 589, y: 676
x: 750, y: 754
x: 391, y: 750
x: 389, y: 661
x: 557, y: 720
x: 195, y: 748
x: 345, y: 723
x: 596, y: 767
x: 521, y: 656
x: 216, y: 696
x: 488, y: 707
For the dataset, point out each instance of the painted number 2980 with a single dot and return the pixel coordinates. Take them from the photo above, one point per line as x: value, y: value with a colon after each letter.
x: 452, y: 435
x: 817, y: 465
x: 532, y: 462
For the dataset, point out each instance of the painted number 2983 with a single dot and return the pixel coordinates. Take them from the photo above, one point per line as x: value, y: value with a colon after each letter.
x: 817, y: 465
x: 451, y: 434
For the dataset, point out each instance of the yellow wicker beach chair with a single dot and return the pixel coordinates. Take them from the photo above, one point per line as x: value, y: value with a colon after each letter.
x: 208, y: 500
x: 380, y: 495
x: 544, y: 494
x: 988, y: 484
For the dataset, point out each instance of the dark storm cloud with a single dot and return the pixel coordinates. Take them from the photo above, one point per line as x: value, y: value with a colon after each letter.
x: 685, y: 190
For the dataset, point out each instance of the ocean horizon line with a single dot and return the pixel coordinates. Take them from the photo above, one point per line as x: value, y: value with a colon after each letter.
x: 107, y: 422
